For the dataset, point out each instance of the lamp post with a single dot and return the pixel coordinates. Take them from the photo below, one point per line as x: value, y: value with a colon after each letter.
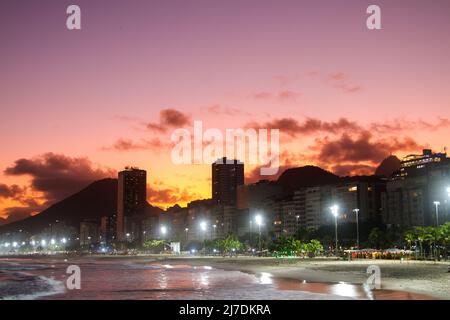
x: 186, y: 230
x: 437, y: 204
x: 251, y: 230
x: 259, y: 221
x: 356, y: 211
x: 296, y: 224
x: 163, y: 231
x: 334, y: 212
x: 203, y: 227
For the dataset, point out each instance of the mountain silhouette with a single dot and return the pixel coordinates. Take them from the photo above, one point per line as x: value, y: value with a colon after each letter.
x: 388, y: 166
x: 308, y: 176
x: 96, y: 200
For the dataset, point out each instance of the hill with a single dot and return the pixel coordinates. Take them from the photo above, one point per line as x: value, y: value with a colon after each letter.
x: 96, y: 200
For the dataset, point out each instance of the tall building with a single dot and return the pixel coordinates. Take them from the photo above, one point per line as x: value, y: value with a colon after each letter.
x: 108, y: 229
x: 227, y: 175
x: 131, y: 202
x: 312, y: 204
x: 89, y: 233
x: 412, y: 192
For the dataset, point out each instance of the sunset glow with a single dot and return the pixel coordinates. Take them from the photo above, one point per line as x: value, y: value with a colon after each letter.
x: 83, y: 105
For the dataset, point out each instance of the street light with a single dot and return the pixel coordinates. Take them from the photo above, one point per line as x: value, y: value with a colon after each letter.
x: 251, y: 230
x: 259, y: 221
x: 163, y: 230
x: 203, y: 227
x: 186, y: 230
x: 356, y: 211
x: 334, y: 211
x: 437, y: 204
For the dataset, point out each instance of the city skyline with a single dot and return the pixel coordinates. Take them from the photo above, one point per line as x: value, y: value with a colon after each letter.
x: 77, y: 114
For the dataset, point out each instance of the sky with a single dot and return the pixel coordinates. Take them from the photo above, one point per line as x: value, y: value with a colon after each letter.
x: 80, y: 105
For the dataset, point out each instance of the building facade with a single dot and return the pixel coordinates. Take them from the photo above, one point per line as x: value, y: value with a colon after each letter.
x: 417, y: 194
x: 131, y: 202
x: 227, y: 175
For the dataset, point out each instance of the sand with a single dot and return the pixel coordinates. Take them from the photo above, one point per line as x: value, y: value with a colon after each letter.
x: 417, y: 277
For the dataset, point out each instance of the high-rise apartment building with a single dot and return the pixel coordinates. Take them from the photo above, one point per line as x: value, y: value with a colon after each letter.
x: 227, y: 175
x: 131, y: 201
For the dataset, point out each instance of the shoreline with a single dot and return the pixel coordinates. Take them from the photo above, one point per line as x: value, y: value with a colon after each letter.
x: 419, y: 279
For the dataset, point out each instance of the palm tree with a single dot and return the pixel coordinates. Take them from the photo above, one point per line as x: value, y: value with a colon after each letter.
x: 430, y: 237
x: 420, y: 236
x: 410, y: 237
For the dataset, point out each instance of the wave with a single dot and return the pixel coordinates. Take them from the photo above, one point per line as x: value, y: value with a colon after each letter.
x: 24, y: 286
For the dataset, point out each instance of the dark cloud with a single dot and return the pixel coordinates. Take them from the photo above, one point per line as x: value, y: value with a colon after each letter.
x: 398, y: 125
x: 292, y: 127
x: 14, y: 191
x: 169, y: 118
x: 124, y: 145
x: 362, y: 148
x: 58, y: 176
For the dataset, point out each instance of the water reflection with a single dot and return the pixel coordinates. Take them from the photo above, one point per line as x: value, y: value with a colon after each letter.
x: 265, y: 278
x: 137, y: 279
x: 345, y: 289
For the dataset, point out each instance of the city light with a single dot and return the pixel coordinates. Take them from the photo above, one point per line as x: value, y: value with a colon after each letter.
x: 356, y: 211
x: 52, y: 241
x: 258, y: 219
x: 33, y: 243
x: 63, y: 240
x: 437, y: 204
x: 43, y: 242
x: 335, y: 212
x: 163, y: 230
x: 259, y: 222
x: 14, y: 244
x: 203, y: 225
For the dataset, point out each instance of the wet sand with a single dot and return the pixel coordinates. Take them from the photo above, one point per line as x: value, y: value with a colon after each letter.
x: 399, y: 279
x: 402, y: 280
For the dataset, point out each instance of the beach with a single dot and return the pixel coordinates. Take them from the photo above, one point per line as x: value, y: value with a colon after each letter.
x: 195, y: 277
x: 416, y: 277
